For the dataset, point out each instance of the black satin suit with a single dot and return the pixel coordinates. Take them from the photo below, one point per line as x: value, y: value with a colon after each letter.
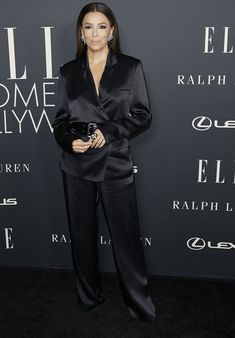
x: 104, y: 174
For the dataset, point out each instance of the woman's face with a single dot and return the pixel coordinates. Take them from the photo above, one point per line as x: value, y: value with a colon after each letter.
x: 96, y: 30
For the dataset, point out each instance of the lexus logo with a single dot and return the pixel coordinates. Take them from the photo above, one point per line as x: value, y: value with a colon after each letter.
x: 201, y: 123
x: 8, y: 201
x: 196, y: 243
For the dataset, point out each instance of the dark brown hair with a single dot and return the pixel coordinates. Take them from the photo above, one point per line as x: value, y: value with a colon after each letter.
x: 102, y: 8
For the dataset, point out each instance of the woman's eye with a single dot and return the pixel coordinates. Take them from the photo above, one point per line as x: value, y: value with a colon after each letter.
x: 89, y: 27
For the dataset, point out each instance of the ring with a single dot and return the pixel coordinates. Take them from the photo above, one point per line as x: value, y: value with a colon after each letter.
x: 93, y: 136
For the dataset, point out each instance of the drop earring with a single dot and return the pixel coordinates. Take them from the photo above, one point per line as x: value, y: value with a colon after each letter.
x: 83, y: 39
x: 110, y: 38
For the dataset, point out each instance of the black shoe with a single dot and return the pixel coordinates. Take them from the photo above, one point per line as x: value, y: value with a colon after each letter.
x: 149, y: 319
x: 101, y: 299
x: 140, y: 317
x: 86, y: 307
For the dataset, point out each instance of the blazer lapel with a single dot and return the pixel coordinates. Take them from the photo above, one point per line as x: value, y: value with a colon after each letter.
x: 111, y: 60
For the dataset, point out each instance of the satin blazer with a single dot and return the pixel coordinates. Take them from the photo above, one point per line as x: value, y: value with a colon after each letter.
x: 121, y: 110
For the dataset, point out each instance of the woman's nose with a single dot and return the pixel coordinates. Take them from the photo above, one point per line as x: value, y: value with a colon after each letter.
x: 94, y: 32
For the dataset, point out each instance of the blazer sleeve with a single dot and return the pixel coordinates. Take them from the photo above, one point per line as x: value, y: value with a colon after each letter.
x: 139, y: 117
x: 62, y: 133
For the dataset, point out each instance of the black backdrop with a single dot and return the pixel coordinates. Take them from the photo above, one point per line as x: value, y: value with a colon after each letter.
x: 184, y: 163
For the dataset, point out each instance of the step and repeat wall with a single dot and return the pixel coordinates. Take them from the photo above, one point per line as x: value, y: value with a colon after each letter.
x: 184, y: 164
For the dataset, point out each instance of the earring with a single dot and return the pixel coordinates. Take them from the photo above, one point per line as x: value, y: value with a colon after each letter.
x: 110, y: 38
x: 83, y: 39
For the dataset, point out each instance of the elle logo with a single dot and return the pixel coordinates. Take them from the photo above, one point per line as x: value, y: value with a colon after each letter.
x: 8, y: 238
x: 209, y: 47
x: 12, y: 54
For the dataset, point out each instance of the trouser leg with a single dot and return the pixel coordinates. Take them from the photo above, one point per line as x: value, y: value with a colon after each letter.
x: 81, y: 205
x: 120, y: 210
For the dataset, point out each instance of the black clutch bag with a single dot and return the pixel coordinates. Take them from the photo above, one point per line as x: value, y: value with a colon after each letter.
x: 83, y: 130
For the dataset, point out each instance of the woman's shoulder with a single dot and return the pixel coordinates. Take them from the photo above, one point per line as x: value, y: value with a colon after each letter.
x: 127, y: 59
x: 69, y: 65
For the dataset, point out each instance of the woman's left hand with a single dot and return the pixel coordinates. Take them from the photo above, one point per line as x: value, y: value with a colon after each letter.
x: 99, y: 141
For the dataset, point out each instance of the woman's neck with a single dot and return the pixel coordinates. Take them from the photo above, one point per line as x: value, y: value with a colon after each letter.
x: 97, y: 56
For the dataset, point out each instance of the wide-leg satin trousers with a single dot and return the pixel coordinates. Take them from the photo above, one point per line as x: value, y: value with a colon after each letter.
x: 118, y: 199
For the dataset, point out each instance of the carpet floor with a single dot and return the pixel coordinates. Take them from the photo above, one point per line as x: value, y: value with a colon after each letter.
x: 42, y: 303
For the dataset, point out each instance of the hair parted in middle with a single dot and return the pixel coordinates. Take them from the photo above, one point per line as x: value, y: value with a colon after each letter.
x: 104, y: 9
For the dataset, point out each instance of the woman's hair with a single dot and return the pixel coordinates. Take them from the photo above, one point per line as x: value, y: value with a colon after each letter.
x: 102, y: 8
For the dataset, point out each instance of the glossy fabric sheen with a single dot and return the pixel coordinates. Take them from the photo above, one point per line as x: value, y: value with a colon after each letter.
x: 119, y: 204
x: 122, y: 110
x: 104, y: 174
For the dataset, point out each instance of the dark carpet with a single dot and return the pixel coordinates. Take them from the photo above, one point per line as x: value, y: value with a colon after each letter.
x: 42, y: 303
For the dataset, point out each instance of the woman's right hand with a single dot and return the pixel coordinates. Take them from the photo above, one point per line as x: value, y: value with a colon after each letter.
x: 80, y: 146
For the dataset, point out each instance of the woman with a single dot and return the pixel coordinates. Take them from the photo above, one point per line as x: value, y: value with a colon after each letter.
x: 102, y: 102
